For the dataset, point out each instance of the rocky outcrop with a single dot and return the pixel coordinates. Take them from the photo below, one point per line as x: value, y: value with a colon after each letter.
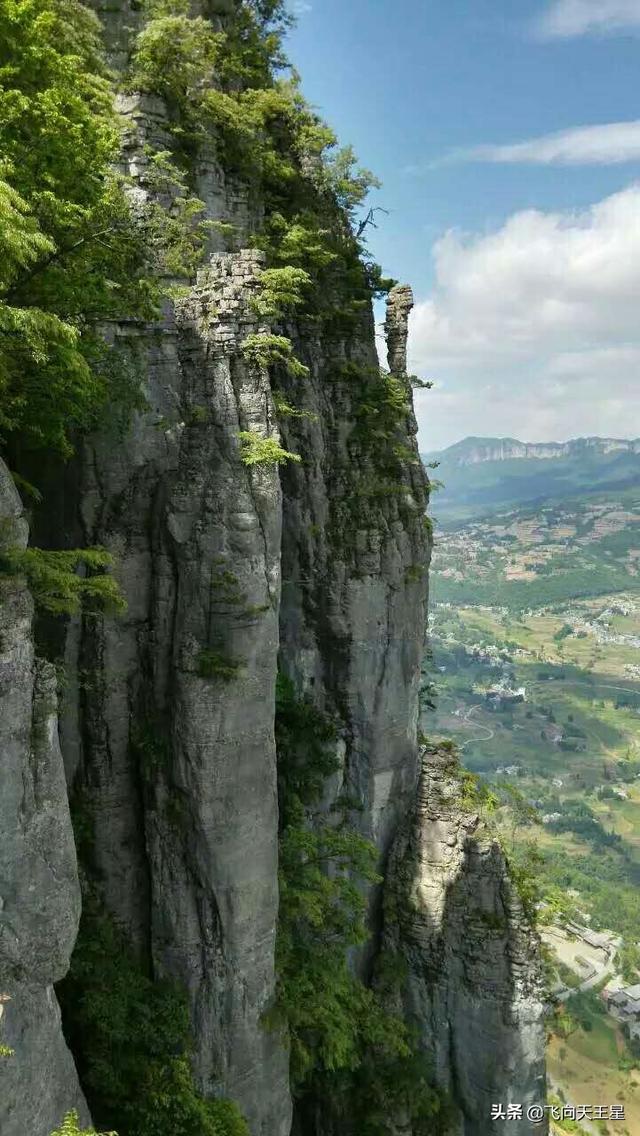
x: 39, y: 889
x: 473, y: 989
x: 396, y: 327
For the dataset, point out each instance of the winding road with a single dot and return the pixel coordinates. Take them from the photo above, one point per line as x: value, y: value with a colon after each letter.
x: 483, y: 738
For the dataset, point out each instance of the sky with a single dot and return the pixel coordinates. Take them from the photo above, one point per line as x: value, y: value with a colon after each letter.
x: 506, y: 134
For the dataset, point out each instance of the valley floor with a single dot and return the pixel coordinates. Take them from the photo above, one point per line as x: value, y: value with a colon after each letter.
x: 544, y: 703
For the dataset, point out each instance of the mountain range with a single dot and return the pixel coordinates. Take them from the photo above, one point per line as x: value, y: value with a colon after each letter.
x: 480, y: 475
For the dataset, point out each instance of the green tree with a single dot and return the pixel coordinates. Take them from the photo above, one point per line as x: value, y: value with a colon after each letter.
x: 130, y: 1034
x: 75, y: 253
x: 629, y: 962
x: 347, y: 1048
x: 71, y: 1127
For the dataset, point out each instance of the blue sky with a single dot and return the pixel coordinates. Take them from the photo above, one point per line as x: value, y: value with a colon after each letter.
x: 523, y: 250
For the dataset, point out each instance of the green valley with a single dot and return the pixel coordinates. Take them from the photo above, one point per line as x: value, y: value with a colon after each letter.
x: 534, y: 671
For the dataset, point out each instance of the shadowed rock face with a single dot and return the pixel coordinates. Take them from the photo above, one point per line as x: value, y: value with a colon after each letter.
x: 39, y: 889
x: 474, y: 988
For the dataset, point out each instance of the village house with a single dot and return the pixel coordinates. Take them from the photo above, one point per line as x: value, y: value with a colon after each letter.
x: 624, y: 1004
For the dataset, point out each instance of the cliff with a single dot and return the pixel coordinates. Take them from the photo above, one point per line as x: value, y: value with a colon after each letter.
x: 455, y: 923
x: 264, y: 510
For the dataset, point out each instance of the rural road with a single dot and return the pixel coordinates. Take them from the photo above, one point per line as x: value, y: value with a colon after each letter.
x: 607, y: 971
x: 487, y: 736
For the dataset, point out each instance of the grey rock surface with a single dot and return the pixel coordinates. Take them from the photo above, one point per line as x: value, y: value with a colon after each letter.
x: 399, y: 305
x: 39, y: 889
x: 474, y: 989
x: 355, y: 563
x: 178, y: 755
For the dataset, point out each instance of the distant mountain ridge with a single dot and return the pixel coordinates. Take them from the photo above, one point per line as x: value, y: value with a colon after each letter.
x: 482, y: 475
x: 471, y: 451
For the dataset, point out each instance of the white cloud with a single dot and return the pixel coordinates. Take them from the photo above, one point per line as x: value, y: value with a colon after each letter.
x: 534, y: 330
x: 566, y: 18
x: 607, y: 144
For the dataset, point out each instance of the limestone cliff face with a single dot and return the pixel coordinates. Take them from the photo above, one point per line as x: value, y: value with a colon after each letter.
x: 177, y: 758
x: 39, y: 889
x: 231, y: 571
x: 473, y: 987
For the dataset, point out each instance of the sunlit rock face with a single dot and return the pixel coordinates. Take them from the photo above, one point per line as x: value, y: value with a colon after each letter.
x: 474, y: 988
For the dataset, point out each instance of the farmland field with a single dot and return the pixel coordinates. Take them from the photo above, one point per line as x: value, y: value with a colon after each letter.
x: 534, y: 671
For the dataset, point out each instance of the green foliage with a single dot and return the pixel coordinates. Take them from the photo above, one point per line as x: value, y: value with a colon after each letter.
x: 414, y: 573
x: 286, y: 410
x: 565, y: 1124
x: 226, y: 82
x: 491, y: 590
x: 56, y: 583
x: 297, y: 242
x: 171, y: 223
x: 76, y: 251
x: 563, y: 633
x: 629, y: 962
x: 281, y: 289
x: 59, y: 138
x: 265, y: 350
x: 383, y: 404
x: 256, y: 450
x: 349, y: 183
x: 475, y: 794
x: 71, y: 1127
x: 306, y: 757
x: 327, y: 1011
x: 378, y: 448
x: 380, y: 428
x: 131, y: 1038
x: 347, y: 1049
x: 386, y: 1089
x: 175, y: 53
x: 215, y: 664
x: 524, y: 864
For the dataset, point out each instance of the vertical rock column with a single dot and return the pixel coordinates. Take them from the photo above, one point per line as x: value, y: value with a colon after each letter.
x: 177, y: 715
x: 474, y: 988
x: 399, y: 305
x: 39, y: 890
x: 214, y: 868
